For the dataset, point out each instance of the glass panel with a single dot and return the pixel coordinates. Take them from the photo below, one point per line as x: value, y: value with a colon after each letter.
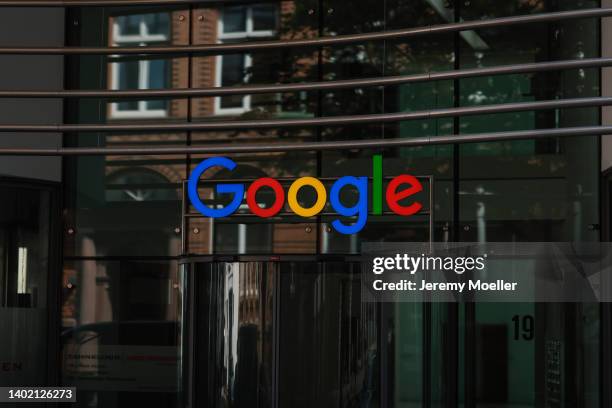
x: 234, y: 19
x: 419, y: 353
x: 157, y: 23
x: 158, y: 74
x: 117, y: 203
x: 120, y: 332
x: 158, y: 79
x: 528, y: 174
x: 25, y: 228
x: 137, y: 185
x: 237, y: 238
x: 128, y: 78
x: 125, y: 201
x: 239, y: 308
x: 129, y: 74
x: 129, y: 25
x: 267, y: 21
x: 504, y: 364
x: 329, y: 350
x: 233, y: 73
x: 333, y: 349
x: 533, y: 190
x: 376, y: 59
x: 405, y: 360
x: 264, y: 18
x: 144, y: 25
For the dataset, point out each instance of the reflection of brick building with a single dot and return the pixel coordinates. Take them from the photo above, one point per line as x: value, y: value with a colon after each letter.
x: 208, y: 26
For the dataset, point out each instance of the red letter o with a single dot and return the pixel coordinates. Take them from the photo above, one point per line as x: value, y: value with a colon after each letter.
x: 279, y: 195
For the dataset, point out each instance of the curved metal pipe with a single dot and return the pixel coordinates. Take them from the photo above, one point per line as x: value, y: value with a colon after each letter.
x: 110, y: 3
x: 318, y: 122
x: 215, y: 49
x: 221, y: 149
x: 313, y: 86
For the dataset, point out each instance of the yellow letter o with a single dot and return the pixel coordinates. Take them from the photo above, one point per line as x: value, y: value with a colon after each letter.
x: 321, y: 196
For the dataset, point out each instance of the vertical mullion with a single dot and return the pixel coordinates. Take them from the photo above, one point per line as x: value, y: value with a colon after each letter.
x: 452, y: 347
x: 319, y: 113
x: 426, y: 355
x: 605, y: 367
x: 185, y: 204
x: 276, y: 293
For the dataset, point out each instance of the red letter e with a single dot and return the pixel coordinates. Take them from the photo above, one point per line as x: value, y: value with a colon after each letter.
x: 393, y: 196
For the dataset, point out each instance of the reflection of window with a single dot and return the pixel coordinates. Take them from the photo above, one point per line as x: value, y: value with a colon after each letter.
x: 235, y: 25
x: 139, y: 184
x: 126, y: 73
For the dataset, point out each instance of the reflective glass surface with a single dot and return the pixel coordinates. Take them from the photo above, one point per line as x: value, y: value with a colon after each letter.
x: 120, y: 332
x: 26, y: 267
x: 530, y: 190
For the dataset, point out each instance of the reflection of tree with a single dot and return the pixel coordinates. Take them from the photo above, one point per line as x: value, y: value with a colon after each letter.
x: 361, y: 60
x: 310, y: 18
x: 482, y: 8
x: 373, y: 59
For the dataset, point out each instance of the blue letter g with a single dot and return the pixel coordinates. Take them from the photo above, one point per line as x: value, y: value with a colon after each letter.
x: 360, y: 209
x: 236, y: 189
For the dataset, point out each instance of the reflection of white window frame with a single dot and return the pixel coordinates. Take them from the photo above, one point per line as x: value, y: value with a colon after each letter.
x: 249, y: 33
x: 144, y: 67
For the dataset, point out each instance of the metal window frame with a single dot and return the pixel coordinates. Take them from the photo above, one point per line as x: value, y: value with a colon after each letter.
x: 144, y: 65
x: 142, y: 111
x: 223, y: 37
x: 143, y: 36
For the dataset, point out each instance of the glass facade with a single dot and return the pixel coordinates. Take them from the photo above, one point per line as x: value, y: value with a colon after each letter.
x: 28, y: 256
x: 268, y: 313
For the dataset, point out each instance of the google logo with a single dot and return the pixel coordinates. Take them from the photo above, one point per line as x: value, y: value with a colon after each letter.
x: 398, y: 189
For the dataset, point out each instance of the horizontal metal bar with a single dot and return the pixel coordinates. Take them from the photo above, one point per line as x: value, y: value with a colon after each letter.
x: 109, y: 3
x: 288, y: 179
x: 322, y: 41
x: 313, y: 122
x: 292, y: 214
x: 314, y: 86
x: 377, y: 144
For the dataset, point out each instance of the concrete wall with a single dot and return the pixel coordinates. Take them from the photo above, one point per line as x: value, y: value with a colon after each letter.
x: 31, y: 27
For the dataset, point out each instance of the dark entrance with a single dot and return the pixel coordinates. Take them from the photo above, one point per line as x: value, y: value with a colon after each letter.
x: 29, y: 282
x: 292, y: 331
x: 288, y: 331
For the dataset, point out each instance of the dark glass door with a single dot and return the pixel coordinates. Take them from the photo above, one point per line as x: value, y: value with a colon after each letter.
x: 279, y: 333
x: 294, y: 332
x: 29, y: 278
